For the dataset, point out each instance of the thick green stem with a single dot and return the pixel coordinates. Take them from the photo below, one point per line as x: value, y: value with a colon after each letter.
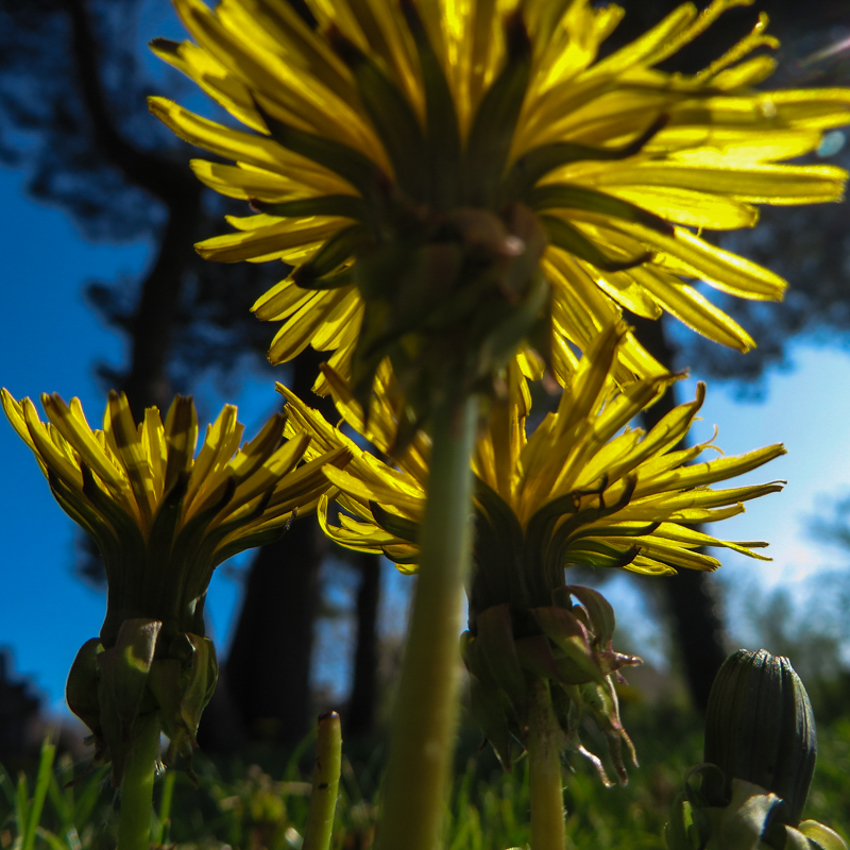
x: 134, y: 823
x: 544, y: 763
x: 425, y: 715
x: 320, y: 820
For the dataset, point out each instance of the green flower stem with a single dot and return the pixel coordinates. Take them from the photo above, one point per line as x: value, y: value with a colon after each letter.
x: 134, y: 823
x: 320, y: 820
x: 425, y: 716
x: 544, y: 759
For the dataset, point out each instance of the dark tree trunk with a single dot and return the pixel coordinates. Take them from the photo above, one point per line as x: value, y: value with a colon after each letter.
x: 691, y: 595
x: 150, y: 328
x: 362, y: 706
x: 146, y: 381
x: 268, y: 668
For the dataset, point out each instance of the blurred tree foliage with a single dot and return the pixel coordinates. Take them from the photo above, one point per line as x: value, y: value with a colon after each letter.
x: 73, y: 76
x: 809, y: 245
x: 73, y: 83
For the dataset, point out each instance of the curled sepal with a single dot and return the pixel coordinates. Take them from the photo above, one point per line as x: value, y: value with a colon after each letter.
x: 81, y: 689
x: 496, y: 649
x: 490, y: 710
x: 691, y: 823
x: 183, y: 683
x: 752, y: 820
x: 743, y: 824
x: 602, y: 701
x: 746, y: 821
x: 819, y: 835
x: 511, y: 652
x: 575, y: 657
x: 598, y: 609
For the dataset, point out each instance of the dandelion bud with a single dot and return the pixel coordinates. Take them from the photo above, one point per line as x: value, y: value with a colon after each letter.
x: 760, y: 728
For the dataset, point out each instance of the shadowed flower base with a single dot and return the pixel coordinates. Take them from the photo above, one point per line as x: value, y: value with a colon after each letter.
x: 542, y: 670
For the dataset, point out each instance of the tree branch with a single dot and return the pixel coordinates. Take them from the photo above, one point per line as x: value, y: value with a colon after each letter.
x: 157, y: 175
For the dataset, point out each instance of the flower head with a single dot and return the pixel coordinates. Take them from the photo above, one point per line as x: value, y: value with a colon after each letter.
x: 582, y: 489
x: 473, y: 171
x: 163, y: 519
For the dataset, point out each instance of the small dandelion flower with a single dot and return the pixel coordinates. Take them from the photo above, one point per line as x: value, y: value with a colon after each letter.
x: 451, y: 179
x: 163, y: 519
x: 582, y: 489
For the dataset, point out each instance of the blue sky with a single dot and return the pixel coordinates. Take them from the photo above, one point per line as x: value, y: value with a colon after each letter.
x: 52, y: 340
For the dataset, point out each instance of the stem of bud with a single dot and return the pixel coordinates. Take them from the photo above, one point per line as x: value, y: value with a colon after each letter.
x: 320, y: 820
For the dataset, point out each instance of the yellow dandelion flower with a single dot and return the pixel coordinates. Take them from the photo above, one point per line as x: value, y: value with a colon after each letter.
x: 476, y: 145
x: 582, y: 489
x: 163, y: 519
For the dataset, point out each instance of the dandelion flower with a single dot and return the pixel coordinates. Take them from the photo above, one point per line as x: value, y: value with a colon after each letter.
x: 582, y: 489
x: 163, y: 519
x: 475, y: 171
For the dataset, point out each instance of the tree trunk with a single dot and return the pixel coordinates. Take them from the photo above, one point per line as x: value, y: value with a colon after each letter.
x: 268, y: 668
x: 362, y: 705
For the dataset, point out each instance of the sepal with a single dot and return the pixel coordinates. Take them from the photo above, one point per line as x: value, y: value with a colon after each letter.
x: 122, y: 687
x: 183, y: 685
x: 82, y: 686
x: 144, y: 673
x: 752, y: 820
x: 509, y: 652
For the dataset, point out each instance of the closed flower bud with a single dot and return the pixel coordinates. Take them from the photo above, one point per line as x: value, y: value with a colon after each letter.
x: 760, y: 728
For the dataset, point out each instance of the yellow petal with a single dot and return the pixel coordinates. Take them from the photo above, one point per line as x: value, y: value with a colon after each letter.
x: 692, y: 308
x: 268, y: 239
x: 72, y: 425
x: 52, y: 457
x: 684, y: 206
x: 258, y: 151
x: 759, y: 184
x: 124, y: 437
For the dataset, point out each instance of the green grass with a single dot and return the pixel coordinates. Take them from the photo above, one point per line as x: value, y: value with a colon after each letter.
x: 260, y: 799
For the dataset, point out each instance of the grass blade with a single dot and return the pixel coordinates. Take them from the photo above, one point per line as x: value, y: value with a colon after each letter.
x: 42, y: 782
